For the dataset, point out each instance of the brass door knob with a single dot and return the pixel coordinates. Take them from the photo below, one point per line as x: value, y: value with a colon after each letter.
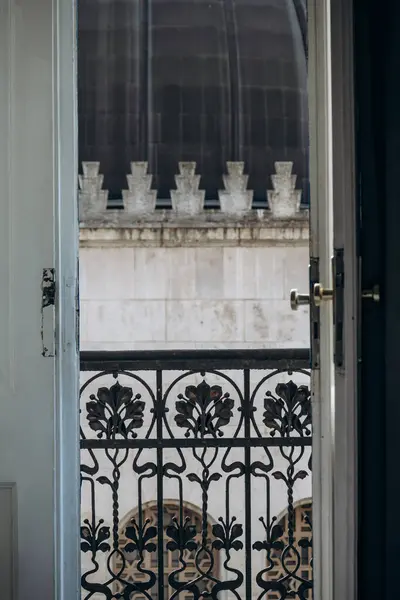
x: 321, y: 294
x: 297, y: 299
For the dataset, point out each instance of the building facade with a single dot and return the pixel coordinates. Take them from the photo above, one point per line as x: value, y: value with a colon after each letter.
x: 193, y: 142
x: 159, y: 280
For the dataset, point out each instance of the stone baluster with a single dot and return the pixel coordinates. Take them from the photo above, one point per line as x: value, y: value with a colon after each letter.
x: 236, y: 199
x: 139, y: 200
x: 187, y: 200
x: 284, y: 200
x: 92, y: 198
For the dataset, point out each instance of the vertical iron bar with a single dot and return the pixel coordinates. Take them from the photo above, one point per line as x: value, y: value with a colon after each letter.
x: 247, y: 478
x: 160, y: 495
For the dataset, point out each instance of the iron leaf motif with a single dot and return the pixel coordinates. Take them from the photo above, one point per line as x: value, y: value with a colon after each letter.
x: 273, y: 539
x: 94, y: 537
x: 289, y: 411
x: 203, y: 410
x: 115, y: 411
x: 182, y: 535
x: 227, y: 535
x: 140, y: 537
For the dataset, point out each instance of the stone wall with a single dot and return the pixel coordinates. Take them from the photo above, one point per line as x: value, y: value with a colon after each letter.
x: 204, y: 293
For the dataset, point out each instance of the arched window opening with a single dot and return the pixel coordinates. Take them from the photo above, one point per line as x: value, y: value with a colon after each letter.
x: 193, y: 563
x: 293, y: 558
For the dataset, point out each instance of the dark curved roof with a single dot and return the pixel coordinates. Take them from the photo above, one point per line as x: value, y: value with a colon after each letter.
x: 204, y: 80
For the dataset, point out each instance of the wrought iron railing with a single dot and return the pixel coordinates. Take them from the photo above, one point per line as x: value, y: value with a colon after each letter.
x: 196, y: 475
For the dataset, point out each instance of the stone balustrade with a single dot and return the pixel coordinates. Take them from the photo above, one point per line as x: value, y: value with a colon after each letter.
x: 140, y: 199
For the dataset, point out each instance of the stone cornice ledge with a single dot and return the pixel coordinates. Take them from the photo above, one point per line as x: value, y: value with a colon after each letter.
x: 164, y: 229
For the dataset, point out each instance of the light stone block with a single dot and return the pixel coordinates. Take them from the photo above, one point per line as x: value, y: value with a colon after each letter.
x: 269, y: 272
x: 284, y: 200
x: 297, y: 259
x: 254, y: 273
x: 151, y: 273
x: 166, y: 345
x: 274, y: 321
x: 239, y: 273
x: 139, y: 200
x: 187, y: 200
x: 204, y: 321
x: 236, y: 199
x: 92, y: 198
x: 181, y: 268
x: 209, y: 264
x: 106, y: 273
x: 123, y: 321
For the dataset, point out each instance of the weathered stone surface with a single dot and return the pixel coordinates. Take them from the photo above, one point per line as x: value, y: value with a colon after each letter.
x: 139, y: 199
x: 236, y: 199
x: 200, y: 233
x: 92, y: 198
x: 113, y: 321
x: 204, y: 321
x: 284, y: 200
x: 171, y: 295
x: 187, y: 200
x: 272, y: 322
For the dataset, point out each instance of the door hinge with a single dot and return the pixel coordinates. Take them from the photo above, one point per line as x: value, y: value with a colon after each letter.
x: 47, y: 330
x: 338, y: 305
x: 314, y: 315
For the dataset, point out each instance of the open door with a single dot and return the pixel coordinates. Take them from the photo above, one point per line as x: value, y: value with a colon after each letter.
x: 39, y: 475
x: 333, y: 299
x: 346, y: 299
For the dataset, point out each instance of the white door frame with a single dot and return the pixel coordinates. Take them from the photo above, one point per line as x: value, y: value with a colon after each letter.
x: 68, y: 563
x: 332, y: 181
x: 321, y: 228
x: 345, y: 464
x: 333, y: 225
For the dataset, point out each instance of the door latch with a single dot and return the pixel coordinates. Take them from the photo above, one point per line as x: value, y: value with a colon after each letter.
x: 297, y: 300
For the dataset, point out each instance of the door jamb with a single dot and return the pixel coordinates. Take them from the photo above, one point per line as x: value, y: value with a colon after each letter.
x: 67, y: 491
x: 345, y: 463
x: 321, y: 227
x: 332, y: 175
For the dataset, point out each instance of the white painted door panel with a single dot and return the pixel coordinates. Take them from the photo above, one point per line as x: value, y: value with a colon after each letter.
x: 333, y: 232
x: 38, y: 394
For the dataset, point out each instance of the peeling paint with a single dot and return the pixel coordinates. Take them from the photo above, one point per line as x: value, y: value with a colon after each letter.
x: 47, y: 329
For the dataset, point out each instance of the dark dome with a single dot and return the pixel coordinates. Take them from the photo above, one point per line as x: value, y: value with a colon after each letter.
x: 193, y: 80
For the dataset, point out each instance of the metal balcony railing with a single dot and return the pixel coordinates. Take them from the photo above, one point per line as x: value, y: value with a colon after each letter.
x: 196, y: 474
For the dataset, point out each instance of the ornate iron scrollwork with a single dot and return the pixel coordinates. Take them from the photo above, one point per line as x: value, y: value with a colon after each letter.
x: 232, y: 439
x: 115, y: 412
x: 203, y: 410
